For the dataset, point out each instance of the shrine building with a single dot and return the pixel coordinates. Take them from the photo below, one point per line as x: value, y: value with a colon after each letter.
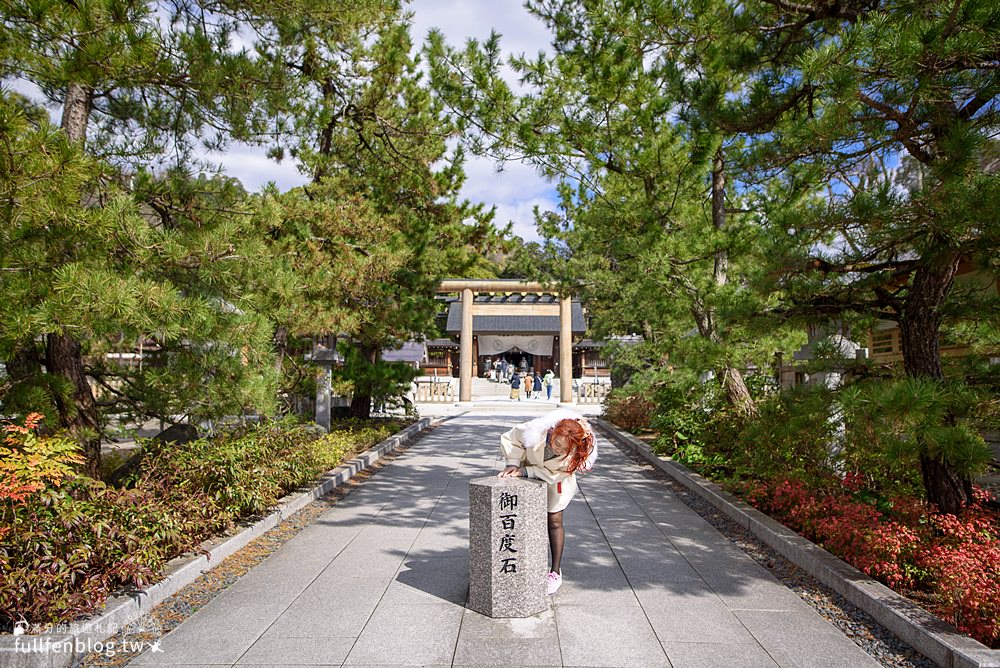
x: 521, y: 322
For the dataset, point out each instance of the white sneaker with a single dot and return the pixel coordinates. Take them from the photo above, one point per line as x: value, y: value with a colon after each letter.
x: 554, y: 581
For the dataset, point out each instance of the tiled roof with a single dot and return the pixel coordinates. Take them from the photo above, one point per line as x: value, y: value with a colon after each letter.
x: 511, y: 298
x: 628, y: 339
x: 515, y: 324
x: 411, y: 351
x: 441, y: 343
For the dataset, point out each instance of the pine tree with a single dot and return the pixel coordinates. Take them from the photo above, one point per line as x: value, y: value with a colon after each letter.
x: 382, y: 213
x: 869, y: 85
x: 130, y: 87
x: 702, y: 141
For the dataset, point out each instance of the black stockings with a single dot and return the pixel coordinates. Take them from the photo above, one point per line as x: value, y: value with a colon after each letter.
x: 556, y: 539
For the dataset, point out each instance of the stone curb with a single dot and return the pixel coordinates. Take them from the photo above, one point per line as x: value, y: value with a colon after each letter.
x: 937, y: 640
x: 64, y: 650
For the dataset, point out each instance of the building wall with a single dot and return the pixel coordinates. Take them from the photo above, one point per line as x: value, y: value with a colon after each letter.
x: 441, y: 363
x: 883, y: 342
x: 885, y: 347
x: 586, y: 362
x: 589, y: 363
x: 540, y: 363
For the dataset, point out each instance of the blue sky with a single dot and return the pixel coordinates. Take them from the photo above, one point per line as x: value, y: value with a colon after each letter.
x: 515, y: 190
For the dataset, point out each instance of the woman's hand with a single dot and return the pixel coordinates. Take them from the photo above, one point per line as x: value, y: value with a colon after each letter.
x: 510, y: 472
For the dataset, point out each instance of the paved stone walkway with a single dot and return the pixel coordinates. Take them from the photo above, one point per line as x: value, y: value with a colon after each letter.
x: 382, y: 578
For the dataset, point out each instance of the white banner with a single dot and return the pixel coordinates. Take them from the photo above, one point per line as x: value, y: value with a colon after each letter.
x: 536, y: 345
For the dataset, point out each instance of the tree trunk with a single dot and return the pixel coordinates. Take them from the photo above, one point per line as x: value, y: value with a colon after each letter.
x: 24, y: 372
x: 737, y: 394
x: 280, y: 340
x: 24, y: 365
x: 361, y: 402
x: 720, y: 270
x: 76, y: 112
x: 920, y: 331
x: 75, y: 401
x: 64, y: 355
x: 946, y: 489
x: 920, y: 317
x: 647, y: 332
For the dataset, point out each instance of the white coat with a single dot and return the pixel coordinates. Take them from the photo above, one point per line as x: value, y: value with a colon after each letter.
x: 524, y: 445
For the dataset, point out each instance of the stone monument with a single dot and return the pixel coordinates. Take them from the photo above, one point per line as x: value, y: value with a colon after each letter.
x: 508, y: 546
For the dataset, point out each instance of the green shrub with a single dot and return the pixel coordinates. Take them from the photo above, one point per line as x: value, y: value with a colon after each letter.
x: 246, y: 472
x: 70, y: 548
x: 892, y: 423
x: 683, y: 407
x: 331, y: 449
x: 795, y: 434
x: 875, y: 428
x: 67, y: 548
x: 629, y: 411
x: 804, y: 433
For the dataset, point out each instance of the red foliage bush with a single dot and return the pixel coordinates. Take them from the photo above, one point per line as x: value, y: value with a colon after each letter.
x: 29, y: 463
x: 900, y: 542
x: 965, y: 563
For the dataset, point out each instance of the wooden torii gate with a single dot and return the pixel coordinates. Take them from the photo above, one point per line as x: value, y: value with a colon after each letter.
x: 468, y: 290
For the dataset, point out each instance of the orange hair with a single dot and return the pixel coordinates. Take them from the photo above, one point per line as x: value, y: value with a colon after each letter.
x: 579, y: 439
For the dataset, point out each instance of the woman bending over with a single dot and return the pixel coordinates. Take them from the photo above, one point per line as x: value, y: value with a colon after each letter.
x: 552, y: 448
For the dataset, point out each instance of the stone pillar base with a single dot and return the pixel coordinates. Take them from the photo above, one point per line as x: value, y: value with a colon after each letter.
x: 508, y: 546
x: 323, y: 396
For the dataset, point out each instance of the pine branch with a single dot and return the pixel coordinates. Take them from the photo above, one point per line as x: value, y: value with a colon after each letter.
x: 863, y: 267
x: 828, y: 10
x: 764, y: 120
x: 980, y: 100
x: 100, y: 375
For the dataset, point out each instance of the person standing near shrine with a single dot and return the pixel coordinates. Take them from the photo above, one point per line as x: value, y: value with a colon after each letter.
x: 550, y: 380
x: 536, y: 385
x: 553, y: 448
x: 515, y: 386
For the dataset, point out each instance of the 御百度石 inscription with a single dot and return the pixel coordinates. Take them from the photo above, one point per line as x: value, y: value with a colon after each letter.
x: 508, y: 523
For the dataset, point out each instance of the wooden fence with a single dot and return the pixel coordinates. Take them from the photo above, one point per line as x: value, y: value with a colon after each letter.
x: 591, y: 393
x: 434, y: 391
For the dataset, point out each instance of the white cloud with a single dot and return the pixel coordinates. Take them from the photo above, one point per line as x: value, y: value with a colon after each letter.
x: 463, y: 19
x: 521, y: 214
x: 254, y: 169
x: 512, y: 181
x: 514, y: 191
x: 516, y: 188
